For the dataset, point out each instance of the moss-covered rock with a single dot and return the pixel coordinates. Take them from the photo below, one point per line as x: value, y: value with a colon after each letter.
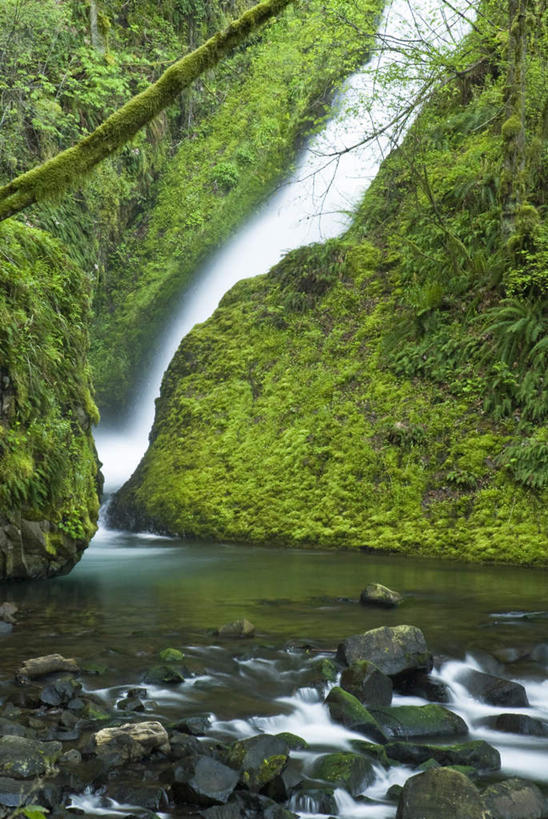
x: 440, y: 792
x: 395, y: 650
x: 347, y: 770
x: 476, y: 754
x: 367, y: 682
x: 49, y: 490
x: 348, y: 710
x: 419, y: 721
x: 260, y: 759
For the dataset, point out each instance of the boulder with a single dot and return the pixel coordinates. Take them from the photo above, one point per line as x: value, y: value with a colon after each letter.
x: 239, y: 628
x: 149, y: 796
x: 410, y: 721
x: 203, y: 781
x: 493, y: 690
x: 421, y: 684
x: 60, y: 691
x: 377, y: 595
x: 8, y: 611
x: 14, y: 793
x: 347, y: 770
x: 394, y: 650
x: 514, y: 799
x: 440, y: 792
x: 131, y: 742
x: 367, y: 683
x: 293, y: 742
x: 163, y: 675
x: 346, y: 709
x: 49, y: 664
x: 171, y: 655
x: 476, y: 754
x: 260, y: 759
x: 314, y: 800
x: 198, y: 726
x: 23, y: 758
x: 517, y: 724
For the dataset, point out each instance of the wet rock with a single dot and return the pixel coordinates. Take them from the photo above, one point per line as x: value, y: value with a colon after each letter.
x: 130, y: 704
x: 14, y: 793
x: 257, y: 806
x: 8, y: 611
x: 152, y: 797
x: 321, y: 672
x: 440, y: 792
x: 231, y: 811
x: 394, y: 650
x: 131, y: 742
x: 372, y: 750
x: 184, y: 745
x: 419, y: 721
x: 203, y: 781
x: 71, y: 758
x: 163, y: 675
x: 493, y: 690
x: 49, y: 664
x: 347, y: 770
x: 314, y: 800
x: 421, y: 684
x: 349, y: 711
x: 14, y: 729
x: 260, y: 759
x: 511, y: 655
x: 239, y: 628
x: 5, y: 628
x: 514, y: 799
x: 477, y: 754
x: 60, y: 691
x: 171, y: 655
x: 540, y: 654
x: 377, y: 595
x: 394, y: 792
x: 198, y: 726
x: 22, y: 758
x: 517, y: 724
x: 293, y: 742
x: 367, y: 683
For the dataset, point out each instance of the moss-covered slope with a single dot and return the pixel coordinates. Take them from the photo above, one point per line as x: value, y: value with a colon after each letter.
x: 384, y: 391
x: 49, y: 487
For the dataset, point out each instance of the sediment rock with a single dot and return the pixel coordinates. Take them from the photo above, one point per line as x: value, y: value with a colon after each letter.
x: 23, y: 758
x: 260, y: 759
x: 203, y: 781
x: 239, y: 628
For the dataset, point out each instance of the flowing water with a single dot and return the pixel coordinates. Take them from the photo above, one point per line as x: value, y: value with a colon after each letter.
x: 134, y: 595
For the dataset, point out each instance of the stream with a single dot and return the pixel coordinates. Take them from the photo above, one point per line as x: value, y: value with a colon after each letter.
x: 133, y: 595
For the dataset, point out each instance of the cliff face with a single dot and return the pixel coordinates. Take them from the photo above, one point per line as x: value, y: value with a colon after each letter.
x: 50, y: 480
x: 382, y: 391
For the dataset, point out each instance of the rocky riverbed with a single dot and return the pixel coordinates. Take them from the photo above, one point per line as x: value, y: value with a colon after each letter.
x: 375, y: 728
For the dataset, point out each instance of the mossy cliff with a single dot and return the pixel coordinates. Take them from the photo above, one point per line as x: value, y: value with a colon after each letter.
x: 49, y: 489
x: 382, y: 391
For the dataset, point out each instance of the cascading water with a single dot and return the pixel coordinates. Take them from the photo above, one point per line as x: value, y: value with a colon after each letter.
x: 314, y: 204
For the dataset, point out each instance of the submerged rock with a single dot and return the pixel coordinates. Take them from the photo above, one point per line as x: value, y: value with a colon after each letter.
x: 440, y: 793
x: 367, y: 683
x: 493, y: 690
x: 394, y: 650
x: 476, y: 754
x: 419, y: 721
x: 239, y: 628
x: 376, y: 594
x: 515, y: 799
x: 163, y: 675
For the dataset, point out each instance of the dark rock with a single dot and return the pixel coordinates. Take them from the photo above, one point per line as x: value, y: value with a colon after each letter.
x: 377, y: 595
x: 184, y: 745
x: 373, y: 751
x: 197, y: 726
x: 477, y: 754
x: 438, y: 793
x: 22, y: 758
x: 60, y: 691
x: 15, y: 793
x: 493, y: 690
x: 394, y: 650
x: 14, y: 729
x: 514, y: 799
x: 420, y: 684
x: 349, y: 711
x: 517, y: 724
x: 260, y: 759
x: 71, y: 758
x: 163, y: 675
x: 203, y: 781
x: 293, y: 742
x: 540, y: 654
x: 419, y: 721
x: 239, y: 628
x: 130, y: 704
x: 347, y: 770
x: 314, y: 800
x: 257, y: 806
x: 5, y: 628
x: 367, y: 683
x: 151, y: 797
x: 230, y: 811
x: 394, y: 792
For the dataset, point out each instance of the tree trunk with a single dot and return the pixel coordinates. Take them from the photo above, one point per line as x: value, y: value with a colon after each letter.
x: 66, y: 170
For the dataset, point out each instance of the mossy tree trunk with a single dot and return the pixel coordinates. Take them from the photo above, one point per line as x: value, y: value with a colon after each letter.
x: 66, y: 170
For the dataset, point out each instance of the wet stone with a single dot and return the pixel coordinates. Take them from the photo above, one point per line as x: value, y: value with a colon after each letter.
x: 203, y: 781
x: 515, y: 799
x: 493, y: 690
x: 375, y: 594
x: 198, y: 726
x: 152, y: 797
x: 349, y: 711
x: 347, y: 770
x: 22, y: 758
x: 260, y: 759
x: 367, y: 683
x: 477, y: 754
x: 517, y: 724
x: 440, y: 792
x: 421, y: 684
x: 411, y: 721
x: 394, y: 650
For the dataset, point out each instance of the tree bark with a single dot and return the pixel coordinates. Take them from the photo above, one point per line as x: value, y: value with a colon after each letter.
x: 66, y: 170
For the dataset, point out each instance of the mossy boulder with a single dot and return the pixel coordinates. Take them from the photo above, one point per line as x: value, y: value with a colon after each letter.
x: 394, y: 650
x: 440, y: 792
x: 410, y: 721
x: 515, y: 799
x: 348, y: 710
x: 367, y: 683
x: 22, y: 758
x: 171, y: 655
x: 477, y: 754
x: 163, y: 674
x: 347, y: 770
x: 260, y: 759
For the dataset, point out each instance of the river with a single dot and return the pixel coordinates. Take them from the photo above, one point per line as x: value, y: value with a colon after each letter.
x: 133, y: 595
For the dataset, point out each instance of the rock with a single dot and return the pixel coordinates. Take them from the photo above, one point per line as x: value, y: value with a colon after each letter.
x: 149, y: 796
x: 377, y: 595
x: 130, y: 704
x: 14, y: 729
x: 345, y: 770
x: 203, y: 781
x: 367, y: 683
x: 540, y: 653
x: 40, y: 666
x: 131, y: 742
x: 349, y: 711
x: 8, y: 611
x: 477, y: 754
x: 440, y: 792
x: 22, y: 758
x: 394, y: 650
x: 230, y: 811
x: 184, y: 745
x: 14, y: 793
x: 517, y: 724
x: 257, y: 806
x: 71, y: 758
x: 5, y: 628
x: 493, y: 690
x: 171, y: 655
x: 239, y: 628
x: 293, y: 742
x: 314, y: 800
x: 421, y: 684
x: 60, y: 691
x: 511, y: 655
x: 260, y: 759
x: 321, y: 672
x: 375, y: 752
x: 514, y: 799
x: 419, y: 721
x: 163, y: 675
x: 198, y: 726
